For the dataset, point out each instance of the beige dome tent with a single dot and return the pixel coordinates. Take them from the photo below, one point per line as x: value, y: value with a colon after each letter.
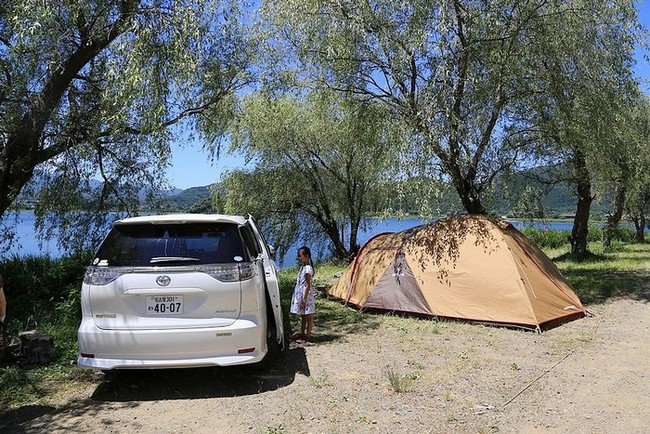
x: 466, y: 267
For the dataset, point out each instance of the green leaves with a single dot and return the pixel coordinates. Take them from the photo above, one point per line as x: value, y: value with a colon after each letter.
x: 316, y: 162
x: 89, y: 90
x: 466, y: 77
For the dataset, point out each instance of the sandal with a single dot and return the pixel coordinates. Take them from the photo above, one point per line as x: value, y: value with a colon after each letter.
x: 296, y: 336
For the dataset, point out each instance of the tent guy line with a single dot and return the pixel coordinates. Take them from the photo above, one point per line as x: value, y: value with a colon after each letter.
x: 593, y: 333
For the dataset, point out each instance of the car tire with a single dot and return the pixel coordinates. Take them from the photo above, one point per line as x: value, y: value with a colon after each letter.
x: 273, y: 351
x: 111, y: 374
x: 273, y: 348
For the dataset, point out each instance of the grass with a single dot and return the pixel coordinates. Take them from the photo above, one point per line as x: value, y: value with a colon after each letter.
x: 21, y: 384
x: 333, y: 320
x: 622, y: 271
x: 275, y: 430
x: 320, y: 381
x: 400, y: 383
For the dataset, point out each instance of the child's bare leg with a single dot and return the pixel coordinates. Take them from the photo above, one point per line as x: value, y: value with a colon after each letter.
x: 310, y: 323
x: 303, y: 324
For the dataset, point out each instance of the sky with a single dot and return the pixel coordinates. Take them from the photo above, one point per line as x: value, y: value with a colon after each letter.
x: 642, y: 69
x: 192, y: 167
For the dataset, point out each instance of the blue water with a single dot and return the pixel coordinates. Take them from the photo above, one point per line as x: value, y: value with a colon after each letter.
x: 373, y: 227
x: 27, y: 244
x: 377, y: 226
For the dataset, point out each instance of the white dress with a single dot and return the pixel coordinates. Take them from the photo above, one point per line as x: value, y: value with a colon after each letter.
x: 299, y: 291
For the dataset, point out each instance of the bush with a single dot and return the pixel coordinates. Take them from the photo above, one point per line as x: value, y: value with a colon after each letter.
x: 44, y: 294
x: 553, y: 239
x: 626, y: 235
x: 594, y: 233
x: 547, y: 238
x: 43, y: 290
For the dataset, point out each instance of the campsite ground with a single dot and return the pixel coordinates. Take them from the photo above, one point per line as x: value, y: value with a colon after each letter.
x: 379, y: 373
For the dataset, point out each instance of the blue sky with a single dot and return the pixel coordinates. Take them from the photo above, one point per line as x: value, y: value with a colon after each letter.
x: 192, y: 166
x: 643, y: 67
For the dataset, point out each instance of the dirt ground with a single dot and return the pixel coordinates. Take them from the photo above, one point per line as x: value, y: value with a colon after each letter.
x: 588, y: 376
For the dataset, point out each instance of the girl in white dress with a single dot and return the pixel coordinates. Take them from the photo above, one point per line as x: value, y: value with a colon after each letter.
x: 302, y: 301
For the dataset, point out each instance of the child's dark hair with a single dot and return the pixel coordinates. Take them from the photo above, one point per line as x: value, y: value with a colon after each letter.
x: 307, y: 252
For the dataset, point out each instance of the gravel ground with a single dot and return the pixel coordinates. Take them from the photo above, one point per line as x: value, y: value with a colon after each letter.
x: 387, y: 374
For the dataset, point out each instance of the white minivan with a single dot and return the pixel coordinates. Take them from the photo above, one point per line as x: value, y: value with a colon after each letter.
x: 181, y: 290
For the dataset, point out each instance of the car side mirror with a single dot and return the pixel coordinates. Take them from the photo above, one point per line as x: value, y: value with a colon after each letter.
x: 271, y: 250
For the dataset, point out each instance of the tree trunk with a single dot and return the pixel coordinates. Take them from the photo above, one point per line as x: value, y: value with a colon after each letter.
x: 614, y: 219
x: 354, y: 234
x: 24, y: 149
x: 581, y: 221
x: 639, y: 225
x: 468, y: 193
x: 332, y: 230
x: 16, y: 169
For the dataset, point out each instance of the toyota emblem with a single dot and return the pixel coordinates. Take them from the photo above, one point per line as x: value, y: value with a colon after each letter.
x: 163, y: 280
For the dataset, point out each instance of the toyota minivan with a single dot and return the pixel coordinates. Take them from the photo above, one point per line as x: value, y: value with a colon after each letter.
x: 183, y: 290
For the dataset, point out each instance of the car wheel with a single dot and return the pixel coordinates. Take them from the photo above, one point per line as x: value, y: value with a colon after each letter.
x: 111, y: 374
x: 272, y: 342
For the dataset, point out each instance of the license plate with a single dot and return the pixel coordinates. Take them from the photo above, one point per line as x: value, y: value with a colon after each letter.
x: 165, y: 305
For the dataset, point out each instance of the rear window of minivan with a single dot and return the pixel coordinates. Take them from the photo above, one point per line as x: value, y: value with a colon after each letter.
x: 146, y: 244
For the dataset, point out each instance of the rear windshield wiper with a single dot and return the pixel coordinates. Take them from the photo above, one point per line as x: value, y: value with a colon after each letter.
x: 162, y: 259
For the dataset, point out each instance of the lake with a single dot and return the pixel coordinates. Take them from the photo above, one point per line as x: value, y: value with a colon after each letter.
x: 378, y: 226
x: 28, y: 245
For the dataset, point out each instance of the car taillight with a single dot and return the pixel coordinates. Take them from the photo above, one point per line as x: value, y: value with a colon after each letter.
x: 231, y: 272
x: 100, y: 276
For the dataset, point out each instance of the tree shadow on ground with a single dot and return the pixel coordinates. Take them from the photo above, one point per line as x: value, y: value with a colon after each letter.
x: 597, y: 278
x: 11, y: 421
x: 335, y: 320
x: 130, y: 387
x: 598, y: 286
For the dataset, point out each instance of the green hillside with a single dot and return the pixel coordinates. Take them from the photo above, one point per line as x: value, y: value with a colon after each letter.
x: 556, y: 201
x: 189, y: 198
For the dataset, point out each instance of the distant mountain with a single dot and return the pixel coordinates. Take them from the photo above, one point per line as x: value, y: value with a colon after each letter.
x: 188, y: 198
x: 176, y: 199
x: 173, y: 192
x: 560, y: 200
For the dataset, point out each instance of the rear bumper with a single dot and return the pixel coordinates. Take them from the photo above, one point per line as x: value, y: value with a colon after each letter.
x: 242, y: 342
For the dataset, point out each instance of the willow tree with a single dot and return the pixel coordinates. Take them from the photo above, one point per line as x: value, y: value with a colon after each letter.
x: 88, y: 91
x: 622, y: 173
x: 582, y: 84
x: 637, y: 200
x: 315, y: 161
x: 450, y: 69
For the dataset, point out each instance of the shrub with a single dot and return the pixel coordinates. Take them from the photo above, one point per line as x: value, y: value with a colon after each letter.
x: 594, y: 233
x: 547, y: 238
x: 626, y: 235
x: 553, y: 239
x: 42, y: 289
x: 44, y: 294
